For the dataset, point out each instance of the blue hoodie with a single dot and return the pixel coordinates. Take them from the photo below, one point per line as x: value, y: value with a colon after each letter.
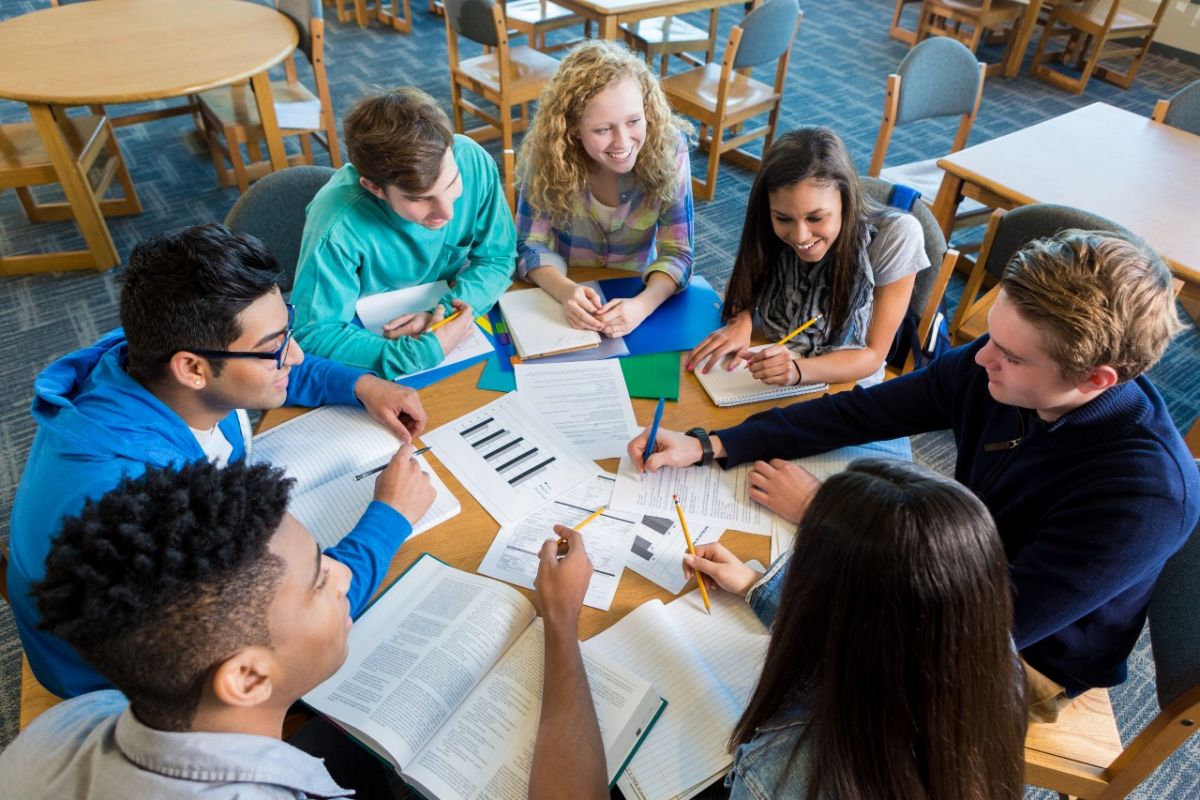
x: 97, y: 425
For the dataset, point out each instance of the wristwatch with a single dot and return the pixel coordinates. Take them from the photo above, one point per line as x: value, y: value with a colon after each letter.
x: 706, y: 447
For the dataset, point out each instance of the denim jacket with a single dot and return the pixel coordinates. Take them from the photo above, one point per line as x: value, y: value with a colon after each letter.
x: 764, y: 768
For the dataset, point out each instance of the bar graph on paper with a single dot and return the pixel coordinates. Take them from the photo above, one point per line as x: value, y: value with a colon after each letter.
x: 511, y: 461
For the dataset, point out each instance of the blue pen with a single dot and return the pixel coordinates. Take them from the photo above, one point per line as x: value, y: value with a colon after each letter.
x: 653, y: 432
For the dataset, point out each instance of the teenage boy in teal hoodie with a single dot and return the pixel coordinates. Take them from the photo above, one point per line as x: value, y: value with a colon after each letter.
x: 206, y: 334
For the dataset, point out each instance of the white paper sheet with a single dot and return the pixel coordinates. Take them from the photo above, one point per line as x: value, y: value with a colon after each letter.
x: 513, y: 556
x: 539, y: 326
x: 721, y: 496
x: 587, y: 402
x: 378, y: 309
x: 511, y: 460
x: 656, y: 552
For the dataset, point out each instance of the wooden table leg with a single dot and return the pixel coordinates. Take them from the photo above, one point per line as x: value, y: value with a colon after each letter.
x: 75, y: 185
x: 607, y: 27
x: 270, y: 125
x: 1023, y: 31
x: 946, y: 203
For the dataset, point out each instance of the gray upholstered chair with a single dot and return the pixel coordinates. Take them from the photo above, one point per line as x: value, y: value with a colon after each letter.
x: 1182, y: 110
x: 938, y: 78
x: 273, y: 211
x: 1007, y: 233
x: 720, y: 96
x: 230, y: 113
x: 930, y: 283
x: 1071, y: 756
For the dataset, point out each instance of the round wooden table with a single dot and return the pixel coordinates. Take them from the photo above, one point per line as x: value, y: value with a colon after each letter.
x: 123, y: 51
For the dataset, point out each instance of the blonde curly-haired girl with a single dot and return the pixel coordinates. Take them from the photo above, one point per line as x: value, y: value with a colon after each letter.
x: 605, y: 182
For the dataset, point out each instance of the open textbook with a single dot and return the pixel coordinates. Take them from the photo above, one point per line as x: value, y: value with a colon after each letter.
x: 328, y: 451
x: 706, y: 668
x: 444, y: 682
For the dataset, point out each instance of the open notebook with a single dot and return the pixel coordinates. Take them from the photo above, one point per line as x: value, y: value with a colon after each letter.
x: 739, y: 387
x: 705, y: 667
x: 539, y: 327
x: 326, y: 450
x: 444, y: 682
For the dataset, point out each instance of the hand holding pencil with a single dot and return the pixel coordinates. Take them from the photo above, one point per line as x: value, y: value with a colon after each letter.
x: 691, y: 548
x: 775, y: 365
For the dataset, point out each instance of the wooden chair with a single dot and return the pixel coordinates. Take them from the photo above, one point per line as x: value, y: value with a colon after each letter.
x: 273, y: 211
x: 25, y: 163
x: 930, y: 284
x: 399, y: 17
x: 533, y: 19
x: 721, y: 96
x: 1193, y: 439
x: 663, y: 37
x: 1008, y: 232
x: 898, y: 32
x: 230, y: 114
x: 937, y: 78
x: 1088, y: 26
x: 1181, y: 110
x: 947, y: 17
x: 1081, y: 754
x: 509, y: 77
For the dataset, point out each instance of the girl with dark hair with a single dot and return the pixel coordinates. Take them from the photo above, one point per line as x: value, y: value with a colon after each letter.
x: 812, y: 243
x: 890, y: 672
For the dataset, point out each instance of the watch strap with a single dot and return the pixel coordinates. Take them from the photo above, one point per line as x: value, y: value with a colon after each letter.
x: 706, y: 447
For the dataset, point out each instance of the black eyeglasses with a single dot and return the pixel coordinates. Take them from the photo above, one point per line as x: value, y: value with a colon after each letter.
x: 278, y: 355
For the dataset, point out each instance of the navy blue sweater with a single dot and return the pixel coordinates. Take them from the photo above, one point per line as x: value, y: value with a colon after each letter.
x: 1089, y: 507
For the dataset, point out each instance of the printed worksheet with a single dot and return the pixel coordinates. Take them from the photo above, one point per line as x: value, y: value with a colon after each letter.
x: 511, y: 459
x: 721, y: 496
x: 513, y: 556
x: 658, y: 547
x: 587, y: 402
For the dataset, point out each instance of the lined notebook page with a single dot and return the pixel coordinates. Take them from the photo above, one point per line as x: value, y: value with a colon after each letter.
x: 330, y: 510
x: 705, y: 666
x: 324, y: 444
x: 735, y: 388
x: 539, y: 326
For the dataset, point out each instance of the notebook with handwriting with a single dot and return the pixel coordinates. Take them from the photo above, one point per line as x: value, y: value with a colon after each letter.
x: 706, y: 668
x: 739, y: 387
x: 539, y: 327
x: 326, y: 450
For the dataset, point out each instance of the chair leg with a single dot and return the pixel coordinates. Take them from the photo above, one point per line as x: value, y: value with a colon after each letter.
x: 709, y: 190
x: 233, y: 139
x: 224, y: 179
x: 306, y: 149
x: 456, y: 104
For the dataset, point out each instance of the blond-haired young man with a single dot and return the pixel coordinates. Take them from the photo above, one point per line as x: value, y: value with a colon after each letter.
x: 416, y: 204
x: 1058, y: 431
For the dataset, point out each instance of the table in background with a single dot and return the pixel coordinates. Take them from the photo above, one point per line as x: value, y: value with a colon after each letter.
x: 462, y: 541
x: 609, y: 15
x: 126, y: 51
x: 1137, y: 172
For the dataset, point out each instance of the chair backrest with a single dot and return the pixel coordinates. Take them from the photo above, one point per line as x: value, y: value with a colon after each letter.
x: 1174, y: 637
x: 273, y: 211
x: 938, y: 78
x: 302, y: 12
x: 1184, y: 111
x: 767, y: 33
x: 880, y: 190
x: 1022, y: 225
x: 472, y: 19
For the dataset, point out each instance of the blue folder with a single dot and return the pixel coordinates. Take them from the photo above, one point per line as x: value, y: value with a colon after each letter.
x: 680, y: 323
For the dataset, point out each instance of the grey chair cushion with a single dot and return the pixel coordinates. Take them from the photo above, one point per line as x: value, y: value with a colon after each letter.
x: 472, y: 19
x: 766, y: 33
x: 1184, y: 112
x: 938, y: 78
x: 273, y: 211
x: 935, y: 243
x: 302, y: 12
x: 1174, y: 635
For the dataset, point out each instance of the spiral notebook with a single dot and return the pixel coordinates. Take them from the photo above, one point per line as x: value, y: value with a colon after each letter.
x: 739, y: 387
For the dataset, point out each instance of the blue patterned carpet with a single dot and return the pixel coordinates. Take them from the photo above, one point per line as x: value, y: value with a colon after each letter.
x: 837, y: 74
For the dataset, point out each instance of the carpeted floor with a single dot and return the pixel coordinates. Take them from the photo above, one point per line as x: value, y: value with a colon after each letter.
x: 838, y: 69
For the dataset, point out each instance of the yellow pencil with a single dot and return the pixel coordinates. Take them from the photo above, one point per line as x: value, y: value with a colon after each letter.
x: 799, y: 330
x: 442, y: 322
x: 687, y: 537
x: 589, y: 518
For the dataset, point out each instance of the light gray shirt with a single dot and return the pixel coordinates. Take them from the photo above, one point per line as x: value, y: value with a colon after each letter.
x: 94, y: 747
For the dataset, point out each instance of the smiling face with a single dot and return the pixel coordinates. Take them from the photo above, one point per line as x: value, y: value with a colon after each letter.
x: 432, y: 208
x: 1019, y: 369
x: 807, y: 216
x: 253, y: 382
x: 613, y: 126
x: 310, y: 615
